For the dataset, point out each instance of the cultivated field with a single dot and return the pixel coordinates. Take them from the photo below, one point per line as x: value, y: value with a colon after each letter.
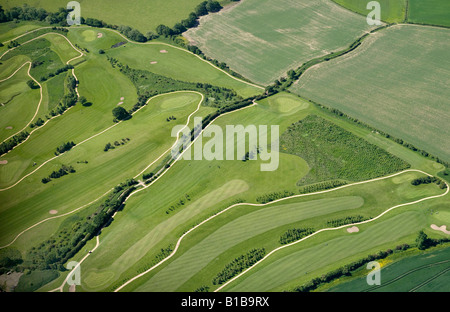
x: 432, y: 12
x: 396, y: 81
x: 262, y: 40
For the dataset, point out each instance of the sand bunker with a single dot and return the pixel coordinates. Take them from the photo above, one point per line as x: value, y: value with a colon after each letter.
x: 153, y: 62
x: 122, y: 98
x: 120, y: 103
x: 353, y: 229
x: 442, y: 228
x: 3, y: 162
x: 8, y: 128
x: 163, y: 51
x: 53, y: 212
x: 99, y: 35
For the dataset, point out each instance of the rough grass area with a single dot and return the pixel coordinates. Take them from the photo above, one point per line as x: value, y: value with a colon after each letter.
x: 334, y: 153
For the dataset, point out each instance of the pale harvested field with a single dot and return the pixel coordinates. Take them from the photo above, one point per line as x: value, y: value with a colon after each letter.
x: 263, y: 39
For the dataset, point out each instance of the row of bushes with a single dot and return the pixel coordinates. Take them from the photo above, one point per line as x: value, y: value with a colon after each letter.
x: 346, y: 220
x: 179, y: 203
x: 57, y: 72
x: 109, y: 146
x: 64, y: 170
x: 293, y: 235
x: 321, y: 186
x: 64, y: 147
x: 8, y: 145
x: 266, y: 198
x: 238, y: 265
x: 428, y: 180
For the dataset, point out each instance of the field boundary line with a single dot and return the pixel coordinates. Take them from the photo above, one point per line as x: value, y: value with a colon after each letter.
x: 275, y: 201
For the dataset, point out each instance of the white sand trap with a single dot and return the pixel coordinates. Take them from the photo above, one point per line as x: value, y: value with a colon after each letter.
x: 99, y: 35
x: 353, y: 229
x: 8, y: 128
x: 163, y: 51
x: 3, y: 162
x: 153, y: 62
x: 442, y: 228
x: 122, y: 98
x: 72, y: 288
x: 120, y: 103
x: 53, y: 212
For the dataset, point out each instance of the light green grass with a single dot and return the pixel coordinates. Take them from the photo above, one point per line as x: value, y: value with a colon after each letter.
x: 433, y: 12
x: 385, y: 84
x: 262, y: 40
x: 11, y: 30
x: 392, y: 11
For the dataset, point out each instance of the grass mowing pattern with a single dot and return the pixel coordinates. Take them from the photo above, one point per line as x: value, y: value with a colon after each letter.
x: 334, y: 153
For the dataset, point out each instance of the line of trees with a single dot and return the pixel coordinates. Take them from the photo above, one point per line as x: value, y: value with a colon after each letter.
x: 64, y: 170
x: 64, y: 147
x: 428, y: 180
x: 346, y: 220
x: 67, y: 100
x: 27, y: 13
x: 8, y: 145
x: 321, y: 186
x: 266, y: 198
x: 56, y: 72
x: 109, y: 146
x: 238, y: 265
x: 293, y: 235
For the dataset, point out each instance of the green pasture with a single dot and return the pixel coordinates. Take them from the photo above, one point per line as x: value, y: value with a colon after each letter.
x: 396, y: 82
x: 432, y: 12
x: 392, y: 11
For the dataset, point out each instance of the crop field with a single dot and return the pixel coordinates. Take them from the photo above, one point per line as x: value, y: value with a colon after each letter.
x: 290, y: 146
x: 432, y: 12
x: 264, y: 39
x: 376, y: 79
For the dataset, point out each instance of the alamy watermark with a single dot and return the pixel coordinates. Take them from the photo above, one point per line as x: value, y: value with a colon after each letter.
x: 374, y: 276
x: 74, y: 277
x: 237, y: 143
x: 74, y: 16
x: 374, y: 16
